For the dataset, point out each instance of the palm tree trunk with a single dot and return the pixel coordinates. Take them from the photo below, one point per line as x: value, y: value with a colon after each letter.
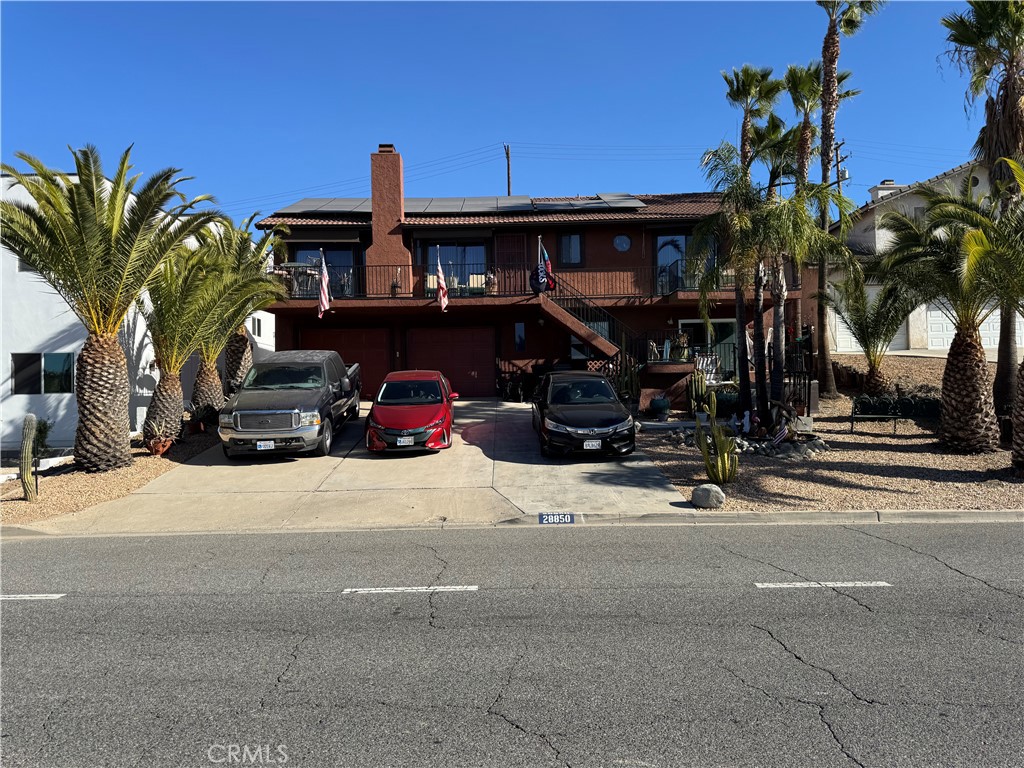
x: 968, y: 416
x: 829, y: 105
x: 101, y: 389
x: 760, y: 373
x: 1017, y: 456
x: 779, y: 294
x: 208, y: 393
x: 1005, y: 383
x: 742, y: 359
x: 237, y: 360
x: 163, y: 417
x: 876, y: 383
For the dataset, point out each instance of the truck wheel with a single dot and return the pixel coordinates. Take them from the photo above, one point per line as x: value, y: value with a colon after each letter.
x: 323, y: 448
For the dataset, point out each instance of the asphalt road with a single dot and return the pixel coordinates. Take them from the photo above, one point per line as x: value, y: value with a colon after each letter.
x: 634, y: 646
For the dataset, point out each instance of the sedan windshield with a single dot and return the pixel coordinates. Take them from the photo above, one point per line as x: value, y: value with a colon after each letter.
x: 581, y: 392
x: 284, y: 377
x: 409, y: 393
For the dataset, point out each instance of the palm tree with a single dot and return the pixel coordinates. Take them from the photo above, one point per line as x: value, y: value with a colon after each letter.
x: 98, y: 242
x: 245, y: 287
x: 844, y: 18
x: 988, y: 43
x: 804, y: 87
x: 994, y: 254
x: 925, y: 258
x: 873, y: 323
x: 754, y: 92
x: 176, y: 308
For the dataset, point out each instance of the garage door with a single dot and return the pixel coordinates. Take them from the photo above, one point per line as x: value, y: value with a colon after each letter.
x: 370, y: 347
x: 465, y: 355
x: 941, y: 329
x: 844, y: 343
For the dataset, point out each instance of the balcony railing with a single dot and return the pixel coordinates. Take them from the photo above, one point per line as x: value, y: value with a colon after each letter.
x: 464, y: 279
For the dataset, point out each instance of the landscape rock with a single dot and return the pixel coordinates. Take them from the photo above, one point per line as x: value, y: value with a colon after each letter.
x: 707, y: 496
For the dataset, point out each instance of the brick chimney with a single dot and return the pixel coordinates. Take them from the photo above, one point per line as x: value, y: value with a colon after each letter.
x: 388, y: 253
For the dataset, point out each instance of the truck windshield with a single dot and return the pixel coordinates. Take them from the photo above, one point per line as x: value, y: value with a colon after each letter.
x: 284, y: 377
x: 409, y: 393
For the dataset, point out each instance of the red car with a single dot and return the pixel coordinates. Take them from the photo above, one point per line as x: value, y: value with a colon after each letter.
x: 412, y: 410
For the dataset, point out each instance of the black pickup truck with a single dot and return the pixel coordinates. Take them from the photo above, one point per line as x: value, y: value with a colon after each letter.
x: 290, y: 402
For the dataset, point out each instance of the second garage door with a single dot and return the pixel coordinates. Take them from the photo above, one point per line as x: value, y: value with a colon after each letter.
x: 464, y: 355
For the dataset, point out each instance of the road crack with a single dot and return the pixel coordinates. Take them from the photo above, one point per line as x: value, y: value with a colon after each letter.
x: 938, y: 560
x: 434, y: 583
x: 492, y: 710
x: 832, y: 732
x: 838, y: 591
x: 293, y: 657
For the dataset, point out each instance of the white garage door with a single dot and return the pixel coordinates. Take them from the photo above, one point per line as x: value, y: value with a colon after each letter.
x: 941, y: 329
x: 843, y: 341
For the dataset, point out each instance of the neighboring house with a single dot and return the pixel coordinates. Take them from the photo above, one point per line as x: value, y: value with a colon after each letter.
x: 618, y: 262
x: 927, y: 327
x: 40, y: 338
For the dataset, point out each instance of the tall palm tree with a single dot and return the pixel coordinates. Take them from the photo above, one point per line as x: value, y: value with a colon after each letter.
x: 925, y: 258
x: 804, y: 87
x: 994, y: 254
x: 874, y: 322
x: 988, y: 43
x: 845, y: 17
x: 98, y: 242
x: 755, y: 92
x: 176, y: 307
x: 245, y: 287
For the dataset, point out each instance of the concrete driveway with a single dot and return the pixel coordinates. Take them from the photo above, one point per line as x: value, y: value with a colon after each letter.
x: 493, y: 474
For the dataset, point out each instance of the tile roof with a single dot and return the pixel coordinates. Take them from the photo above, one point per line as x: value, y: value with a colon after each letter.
x: 689, y: 205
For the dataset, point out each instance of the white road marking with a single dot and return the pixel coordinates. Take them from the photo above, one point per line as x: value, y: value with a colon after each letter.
x: 31, y: 597
x: 392, y: 590
x: 801, y: 584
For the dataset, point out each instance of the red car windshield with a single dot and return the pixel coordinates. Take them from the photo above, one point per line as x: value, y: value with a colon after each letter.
x: 409, y: 393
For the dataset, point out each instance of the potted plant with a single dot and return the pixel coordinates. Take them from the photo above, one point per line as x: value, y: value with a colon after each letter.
x: 396, y: 284
x: 491, y: 282
x: 161, y: 440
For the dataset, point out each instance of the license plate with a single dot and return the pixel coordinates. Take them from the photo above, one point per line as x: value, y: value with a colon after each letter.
x: 406, y: 440
x: 264, y: 445
x: 591, y: 445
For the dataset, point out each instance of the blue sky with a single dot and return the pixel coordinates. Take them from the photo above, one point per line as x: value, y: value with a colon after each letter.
x: 266, y: 103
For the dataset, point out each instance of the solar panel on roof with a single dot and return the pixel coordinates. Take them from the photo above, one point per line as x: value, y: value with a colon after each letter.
x: 306, y: 205
x: 445, y: 205
x: 342, y: 204
x: 589, y: 204
x: 416, y: 204
x: 620, y: 200
x: 480, y: 205
x: 514, y: 203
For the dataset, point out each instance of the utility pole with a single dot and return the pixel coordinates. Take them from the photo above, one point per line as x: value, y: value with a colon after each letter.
x: 508, y: 167
x: 839, y: 169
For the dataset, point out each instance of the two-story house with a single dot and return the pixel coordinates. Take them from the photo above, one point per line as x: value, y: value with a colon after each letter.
x: 618, y: 262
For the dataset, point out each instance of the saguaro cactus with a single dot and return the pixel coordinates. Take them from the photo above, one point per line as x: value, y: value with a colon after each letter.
x: 28, y: 437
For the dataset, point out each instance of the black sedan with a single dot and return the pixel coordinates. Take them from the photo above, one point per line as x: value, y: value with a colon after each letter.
x: 577, y: 411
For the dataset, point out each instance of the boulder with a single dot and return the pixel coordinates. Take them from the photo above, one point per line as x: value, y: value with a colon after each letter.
x: 707, y: 496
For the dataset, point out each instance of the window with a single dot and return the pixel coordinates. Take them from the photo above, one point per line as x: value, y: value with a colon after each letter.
x: 257, y: 327
x: 464, y: 263
x: 672, y: 271
x: 570, y: 250
x: 520, y: 337
x: 342, y: 262
x: 34, y: 374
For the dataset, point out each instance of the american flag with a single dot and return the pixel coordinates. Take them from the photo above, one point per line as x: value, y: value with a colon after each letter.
x: 544, y: 273
x: 442, y: 286
x: 325, y: 286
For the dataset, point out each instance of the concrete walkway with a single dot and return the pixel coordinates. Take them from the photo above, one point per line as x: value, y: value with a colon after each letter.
x: 493, y: 474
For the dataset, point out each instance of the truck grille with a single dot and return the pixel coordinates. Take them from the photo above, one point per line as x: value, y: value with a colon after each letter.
x: 261, y: 421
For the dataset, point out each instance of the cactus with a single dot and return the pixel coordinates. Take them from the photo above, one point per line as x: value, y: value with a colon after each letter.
x: 697, y: 387
x: 722, y: 463
x: 28, y: 437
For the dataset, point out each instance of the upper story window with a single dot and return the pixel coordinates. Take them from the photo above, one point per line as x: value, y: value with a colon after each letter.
x: 465, y: 263
x: 257, y: 327
x: 570, y: 250
x: 674, y: 268
x: 50, y: 373
x: 342, y: 263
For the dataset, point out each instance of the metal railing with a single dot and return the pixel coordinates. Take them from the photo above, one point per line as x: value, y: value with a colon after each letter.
x: 480, y: 279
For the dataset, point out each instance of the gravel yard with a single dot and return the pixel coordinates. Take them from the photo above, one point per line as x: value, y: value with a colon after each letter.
x: 871, y: 469
x: 64, y: 489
